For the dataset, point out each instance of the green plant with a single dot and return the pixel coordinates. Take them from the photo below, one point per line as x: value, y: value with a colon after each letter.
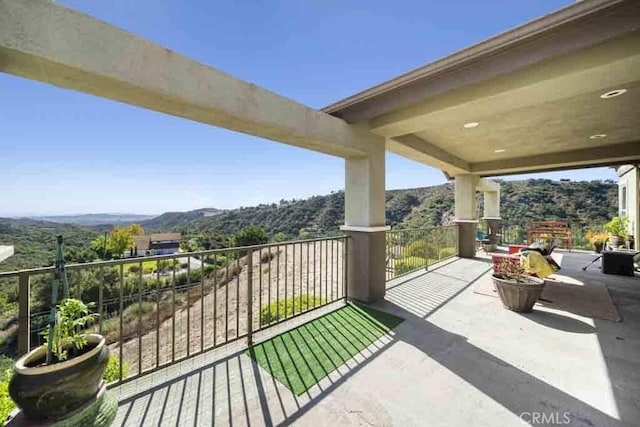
x: 284, y: 308
x: 447, y: 252
x: 249, y: 236
x: 410, y: 263
x: 6, y: 404
x: 112, y: 373
x: 596, y: 237
x: 421, y: 249
x: 617, y: 226
x: 72, y: 317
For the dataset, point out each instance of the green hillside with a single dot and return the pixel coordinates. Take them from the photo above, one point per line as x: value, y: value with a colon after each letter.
x: 580, y: 203
x: 34, y: 242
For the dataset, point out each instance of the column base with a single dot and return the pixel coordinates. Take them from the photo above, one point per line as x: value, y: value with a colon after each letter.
x: 366, y: 263
x: 467, y: 238
x: 493, y: 225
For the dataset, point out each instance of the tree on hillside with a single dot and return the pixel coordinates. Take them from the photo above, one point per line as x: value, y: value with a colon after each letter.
x: 100, y: 246
x: 249, y: 236
x: 119, y: 241
x: 136, y: 230
x: 279, y: 238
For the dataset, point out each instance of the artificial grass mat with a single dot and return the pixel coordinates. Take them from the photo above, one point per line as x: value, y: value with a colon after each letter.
x: 301, y: 357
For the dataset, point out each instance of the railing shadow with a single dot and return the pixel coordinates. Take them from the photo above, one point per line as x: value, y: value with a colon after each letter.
x: 235, y: 391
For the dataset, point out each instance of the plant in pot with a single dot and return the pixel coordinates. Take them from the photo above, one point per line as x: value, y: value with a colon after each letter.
x: 597, y: 239
x: 62, y: 379
x: 617, y: 229
x: 518, y: 290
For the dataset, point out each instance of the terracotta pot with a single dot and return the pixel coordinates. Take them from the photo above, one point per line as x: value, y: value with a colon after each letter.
x: 616, y: 241
x: 516, y: 296
x: 50, y: 392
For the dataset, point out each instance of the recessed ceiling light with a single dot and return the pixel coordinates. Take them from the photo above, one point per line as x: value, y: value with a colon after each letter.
x: 598, y: 136
x: 613, y: 93
x: 501, y: 150
x: 471, y: 125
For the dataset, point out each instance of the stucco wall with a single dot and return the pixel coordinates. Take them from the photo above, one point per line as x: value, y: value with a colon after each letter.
x: 630, y: 205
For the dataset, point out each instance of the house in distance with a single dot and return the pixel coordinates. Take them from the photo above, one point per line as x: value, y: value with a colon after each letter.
x: 155, y: 244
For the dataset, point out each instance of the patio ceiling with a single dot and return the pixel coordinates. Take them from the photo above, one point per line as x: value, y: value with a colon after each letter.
x: 535, y: 92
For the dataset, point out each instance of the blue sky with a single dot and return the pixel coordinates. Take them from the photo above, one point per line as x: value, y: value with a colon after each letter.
x: 64, y: 152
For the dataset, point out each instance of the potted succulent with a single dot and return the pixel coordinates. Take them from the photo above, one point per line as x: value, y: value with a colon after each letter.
x: 597, y: 239
x: 518, y: 290
x: 62, y: 379
x: 617, y: 229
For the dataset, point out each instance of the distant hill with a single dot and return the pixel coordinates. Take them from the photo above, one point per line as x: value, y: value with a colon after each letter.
x: 95, y: 219
x: 581, y: 203
x: 173, y: 220
x: 34, y: 241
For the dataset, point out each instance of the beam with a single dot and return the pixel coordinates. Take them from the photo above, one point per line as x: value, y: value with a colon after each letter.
x: 416, y: 148
x: 570, y: 29
x: 590, y: 157
x: 563, y: 78
x: 44, y: 41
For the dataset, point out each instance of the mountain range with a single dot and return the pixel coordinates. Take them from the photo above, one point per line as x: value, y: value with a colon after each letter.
x: 583, y: 203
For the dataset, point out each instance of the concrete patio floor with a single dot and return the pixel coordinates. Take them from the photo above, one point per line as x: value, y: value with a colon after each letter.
x: 459, y: 359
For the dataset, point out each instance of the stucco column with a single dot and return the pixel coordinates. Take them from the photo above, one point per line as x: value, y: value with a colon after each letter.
x: 491, y: 191
x: 466, y: 214
x: 492, y: 204
x: 365, y: 224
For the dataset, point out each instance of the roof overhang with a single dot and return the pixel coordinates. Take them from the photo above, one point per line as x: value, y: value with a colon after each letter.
x: 534, y: 90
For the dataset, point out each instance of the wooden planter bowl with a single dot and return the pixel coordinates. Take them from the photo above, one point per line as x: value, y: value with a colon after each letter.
x: 519, y: 297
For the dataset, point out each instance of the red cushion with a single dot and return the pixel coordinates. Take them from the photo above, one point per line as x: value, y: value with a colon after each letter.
x: 514, y: 249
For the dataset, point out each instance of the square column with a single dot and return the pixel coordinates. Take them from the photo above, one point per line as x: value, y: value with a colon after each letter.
x: 365, y: 224
x: 491, y: 191
x: 466, y: 214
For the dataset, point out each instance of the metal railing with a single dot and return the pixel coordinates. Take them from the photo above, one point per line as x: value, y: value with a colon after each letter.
x: 516, y: 235
x: 159, y: 310
x: 408, y: 250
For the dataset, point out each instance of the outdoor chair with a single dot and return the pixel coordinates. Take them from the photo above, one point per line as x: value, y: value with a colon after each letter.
x: 482, y: 240
x: 542, y: 249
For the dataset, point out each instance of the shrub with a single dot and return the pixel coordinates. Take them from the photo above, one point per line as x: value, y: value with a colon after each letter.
x: 6, y: 404
x: 5, y: 363
x: 136, y: 309
x: 410, y: 263
x: 421, y: 249
x: 249, y: 236
x: 617, y: 226
x: 281, y: 309
x: 447, y: 252
x: 112, y: 373
x: 267, y: 257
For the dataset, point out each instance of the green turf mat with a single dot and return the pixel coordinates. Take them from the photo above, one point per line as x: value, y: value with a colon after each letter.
x: 303, y: 356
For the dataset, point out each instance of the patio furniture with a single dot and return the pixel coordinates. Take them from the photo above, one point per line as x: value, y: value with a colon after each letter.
x: 512, y: 257
x: 482, y: 240
x: 619, y: 262
x: 514, y: 249
x: 557, y: 230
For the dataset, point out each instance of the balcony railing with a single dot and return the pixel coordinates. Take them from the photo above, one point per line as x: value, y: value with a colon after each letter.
x: 516, y: 235
x: 410, y: 250
x: 155, y: 311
